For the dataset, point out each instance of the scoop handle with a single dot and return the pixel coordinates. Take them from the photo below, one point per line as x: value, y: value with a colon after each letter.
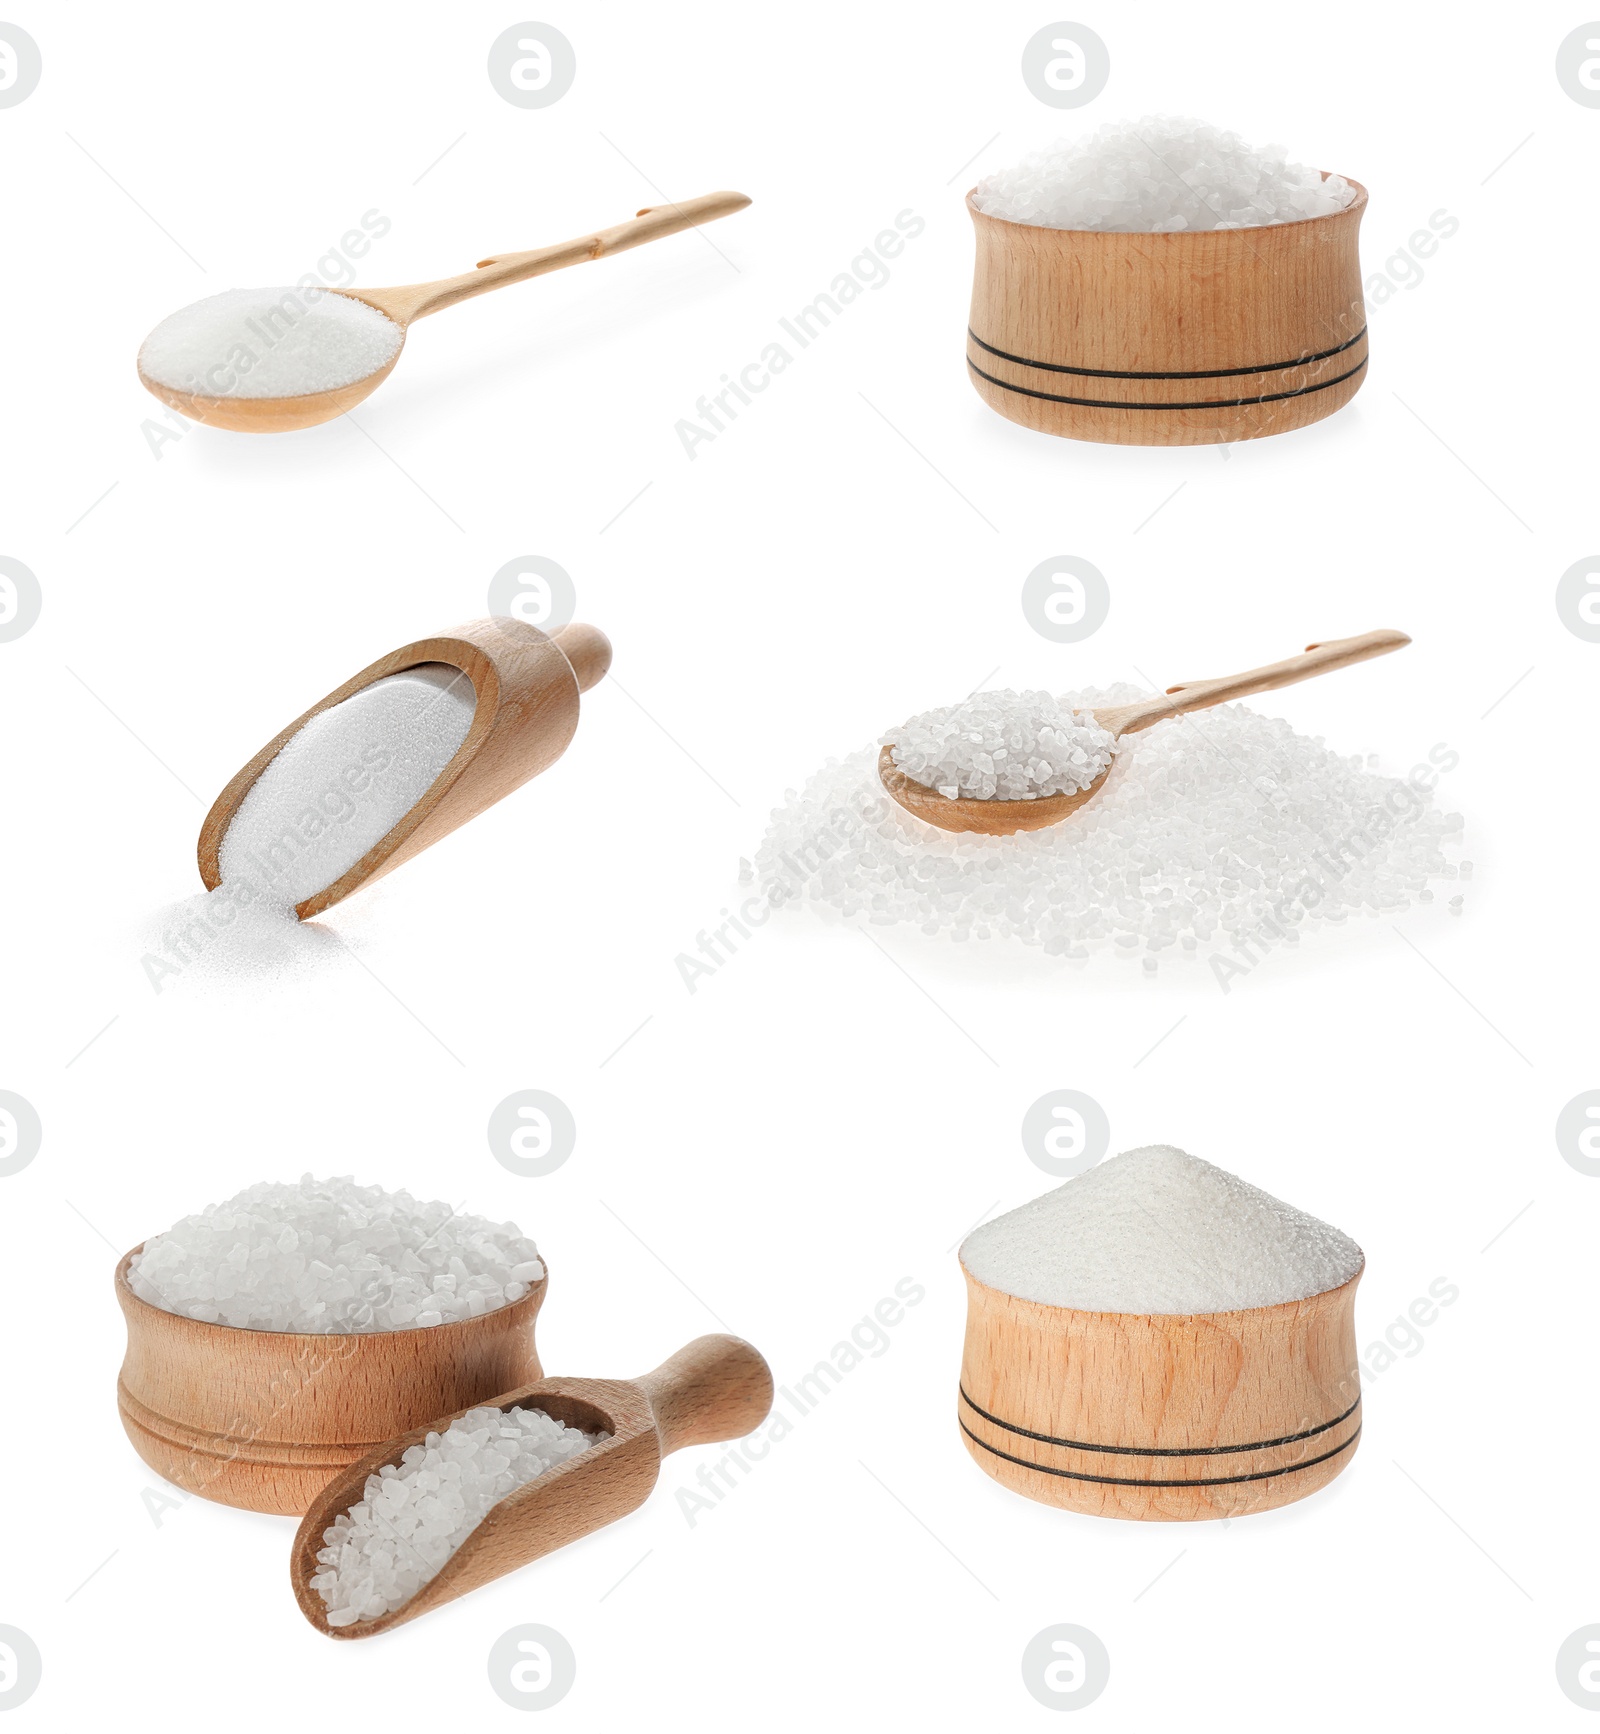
x: 418, y: 300
x: 1191, y: 695
x: 588, y: 650
x: 714, y: 1388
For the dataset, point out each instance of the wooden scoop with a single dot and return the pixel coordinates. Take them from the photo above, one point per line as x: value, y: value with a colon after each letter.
x: 526, y: 687
x: 413, y: 301
x: 1002, y: 818
x: 715, y: 1388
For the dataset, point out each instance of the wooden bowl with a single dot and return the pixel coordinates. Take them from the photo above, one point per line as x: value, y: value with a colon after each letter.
x: 265, y: 1419
x: 1161, y: 1416
x: 1192, y: 338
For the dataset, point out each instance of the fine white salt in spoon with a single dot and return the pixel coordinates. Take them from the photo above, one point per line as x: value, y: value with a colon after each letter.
x: 272, y: 360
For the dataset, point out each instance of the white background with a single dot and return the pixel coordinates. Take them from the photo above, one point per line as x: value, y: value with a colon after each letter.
x: 830, y: 1112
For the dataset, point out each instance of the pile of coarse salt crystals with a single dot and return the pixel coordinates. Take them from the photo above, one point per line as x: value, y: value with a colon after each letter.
x: 1001, y: 746
x: 328, y: 1255
x: 1158, y: 174
x: 1224, y: 828
x: 413, y: 1515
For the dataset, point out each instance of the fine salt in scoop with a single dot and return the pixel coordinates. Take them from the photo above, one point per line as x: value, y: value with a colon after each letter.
x: 525, y: 688
x: 1001, y: 818
x: 717, y: 1387
x: 269, y: 361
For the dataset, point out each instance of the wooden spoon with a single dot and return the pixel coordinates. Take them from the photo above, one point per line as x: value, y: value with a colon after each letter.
x: 1002, y: 818
x: 414, y: 301
x: 715, y: 1388
x: 526, y: 687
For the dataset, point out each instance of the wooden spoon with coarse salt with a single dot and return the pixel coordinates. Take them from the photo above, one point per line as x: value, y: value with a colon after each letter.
x: 1003, y: 818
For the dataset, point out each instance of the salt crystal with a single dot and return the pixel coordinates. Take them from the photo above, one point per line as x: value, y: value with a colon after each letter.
x: 966, y: 749
x: 379, y: 1553
x: 1159, y: 174
x: 264, y: 343
x: 361, y: 1260
x: 1158, y: 1231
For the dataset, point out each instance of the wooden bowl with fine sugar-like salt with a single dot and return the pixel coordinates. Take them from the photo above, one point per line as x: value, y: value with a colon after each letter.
x: 1165, y: 1417
x: 265, y: 1419
x: 1198, y: 337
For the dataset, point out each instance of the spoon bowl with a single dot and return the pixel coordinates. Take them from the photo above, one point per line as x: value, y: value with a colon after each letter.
x: 405, y: 304
x: 988, y: 818
x: 715, y: 1388
x: 271, y: 414
x: 984, y: 818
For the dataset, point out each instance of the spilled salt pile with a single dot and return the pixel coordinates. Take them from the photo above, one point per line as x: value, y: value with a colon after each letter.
x: 1158, y: 174
x: 331, y: 1256
x: 1156, y: 1231
x: 1223, y: 829
x: 413, y: 1515
x: 344, y: 781
x: 1003, y: 746
x: 269, y: 343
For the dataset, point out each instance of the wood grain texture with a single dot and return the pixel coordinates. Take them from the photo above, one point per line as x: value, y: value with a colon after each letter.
x: 1112, y: 337
x: 1004, y: 818
x: 1160, y: 1417
x: 526, y: 712
x: 406, y: 303
x: 263, y: 1419
x: 717, y: 1387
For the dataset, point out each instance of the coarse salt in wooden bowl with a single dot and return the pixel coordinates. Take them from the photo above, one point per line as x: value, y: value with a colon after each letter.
x: 1167, y: 1417
x: 265, y: 1419
x: 1197, y: 337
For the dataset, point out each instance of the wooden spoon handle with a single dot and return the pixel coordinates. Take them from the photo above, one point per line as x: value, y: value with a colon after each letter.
x: 588, y: 650
x: 714, y: 1388
x: 1191, y: 695
x: 418, y: 300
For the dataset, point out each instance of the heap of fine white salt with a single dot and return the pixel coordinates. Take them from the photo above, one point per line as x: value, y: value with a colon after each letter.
x: 331, y: 1256
x: 344, y: 781
x: 1156, y: 1231
x: 269, y: 343
x: 1158, y: 174
x: 1001, y: 746
x: 1228, y: 829
x: 413, y: 1515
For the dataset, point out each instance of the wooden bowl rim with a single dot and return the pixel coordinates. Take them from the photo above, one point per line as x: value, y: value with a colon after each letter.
x: 534, y: 1297
x: 1323, y: 1297
x: 1353, y: 210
